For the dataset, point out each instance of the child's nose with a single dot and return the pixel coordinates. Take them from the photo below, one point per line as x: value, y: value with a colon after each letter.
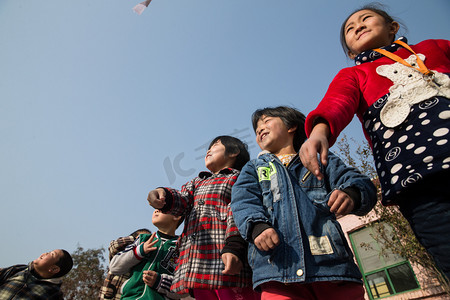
x: 259, y: 130
x: 360, y: 26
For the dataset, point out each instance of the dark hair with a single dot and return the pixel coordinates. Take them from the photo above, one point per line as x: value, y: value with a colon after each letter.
x: 290, y: 117
x: 232, y: 146
x: 377, y: 8
x: 136, y: 233
x: 65, y: 264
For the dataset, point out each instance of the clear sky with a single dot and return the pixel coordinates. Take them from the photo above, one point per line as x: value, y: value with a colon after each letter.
x: 99, y: 105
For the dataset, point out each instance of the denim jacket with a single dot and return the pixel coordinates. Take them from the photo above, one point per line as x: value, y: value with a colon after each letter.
x: 294, y: 202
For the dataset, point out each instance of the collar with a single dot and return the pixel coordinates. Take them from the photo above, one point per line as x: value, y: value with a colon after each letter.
x: 207, y: 174
x: 273, y: 156
x: 33, y: 273
x: 370, y: 55
x: 287, y: 158
x: 263, y: 152
x: 166, y: 236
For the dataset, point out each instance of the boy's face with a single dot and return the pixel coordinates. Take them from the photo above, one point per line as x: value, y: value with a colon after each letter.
x: 274, y: 136
x: 160, y: 219
x: 216, y: 159
x: 47, y: 261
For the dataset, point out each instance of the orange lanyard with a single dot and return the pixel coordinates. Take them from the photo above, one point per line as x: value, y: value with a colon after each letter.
x: 421, y: 68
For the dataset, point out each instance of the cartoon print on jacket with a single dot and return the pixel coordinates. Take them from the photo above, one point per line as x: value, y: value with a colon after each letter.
x: 410, y: 87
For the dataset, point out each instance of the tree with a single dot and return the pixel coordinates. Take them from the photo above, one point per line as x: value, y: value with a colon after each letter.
x: 87, y: 275
x: 399, y: 238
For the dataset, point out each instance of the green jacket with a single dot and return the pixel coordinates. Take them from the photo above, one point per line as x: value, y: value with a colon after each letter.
x: 163, y: 261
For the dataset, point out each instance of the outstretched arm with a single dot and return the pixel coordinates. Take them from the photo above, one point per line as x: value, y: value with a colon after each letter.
x: 334, y: 112
x: 172, y: 201
x: 157, y: 198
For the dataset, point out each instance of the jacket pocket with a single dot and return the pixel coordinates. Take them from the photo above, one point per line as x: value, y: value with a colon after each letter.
x: 332, y: 246
x: 316, y: 192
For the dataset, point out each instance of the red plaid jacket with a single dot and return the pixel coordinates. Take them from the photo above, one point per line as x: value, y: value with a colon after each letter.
x: 209, y: 221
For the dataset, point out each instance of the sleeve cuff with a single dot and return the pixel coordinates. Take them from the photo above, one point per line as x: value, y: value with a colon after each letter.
x: 169, y: 200
x: 258, y: 228
x: 237, y: 246
x: 139, y: 251
x: 164, y: 284
x: 355, y: 194
x: 157, y: 282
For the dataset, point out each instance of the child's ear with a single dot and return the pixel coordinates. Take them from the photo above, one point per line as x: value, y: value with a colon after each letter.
x: 394, y: 28
x: 54, y: 269
x: 177, y: 220
x: 351, y: 54
x: 292, y: 129
x: 234, y: 154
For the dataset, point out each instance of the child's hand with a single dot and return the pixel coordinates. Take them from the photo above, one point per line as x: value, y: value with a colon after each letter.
x: 267, y: 240
x: 316, y: 144
x: 149, y: 277
x: 340, y: 203
x: 157, y: 198
x: 148, y: 244
x: 233, y: 264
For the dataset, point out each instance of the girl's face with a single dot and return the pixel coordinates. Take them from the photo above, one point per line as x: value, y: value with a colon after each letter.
x: 366, y: 30
x: 217, y: 159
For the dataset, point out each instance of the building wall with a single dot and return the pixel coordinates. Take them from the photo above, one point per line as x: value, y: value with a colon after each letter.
x: 430, y: 288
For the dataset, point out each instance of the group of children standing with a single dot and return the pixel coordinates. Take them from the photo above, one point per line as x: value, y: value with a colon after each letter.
x: 266, y: 228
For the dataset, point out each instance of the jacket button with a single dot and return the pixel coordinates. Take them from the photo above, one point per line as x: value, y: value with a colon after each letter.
x: 201, y: 202
x: 299, y: 272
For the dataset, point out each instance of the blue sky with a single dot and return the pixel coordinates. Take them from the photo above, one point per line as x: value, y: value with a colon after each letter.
x: 99, y: 105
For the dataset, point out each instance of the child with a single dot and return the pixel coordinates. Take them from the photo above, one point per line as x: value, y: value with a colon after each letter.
x: 402, y: 100
x: 112, y: 283
x: 151, y: 260
x: 213, y: 255
x: 297, y: 248
x: 41, y: 279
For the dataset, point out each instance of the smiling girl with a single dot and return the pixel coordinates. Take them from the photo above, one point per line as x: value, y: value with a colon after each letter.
x: 400, y: 93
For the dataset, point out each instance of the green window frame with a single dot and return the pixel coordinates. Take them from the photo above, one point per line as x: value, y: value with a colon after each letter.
x: 384, y: 275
